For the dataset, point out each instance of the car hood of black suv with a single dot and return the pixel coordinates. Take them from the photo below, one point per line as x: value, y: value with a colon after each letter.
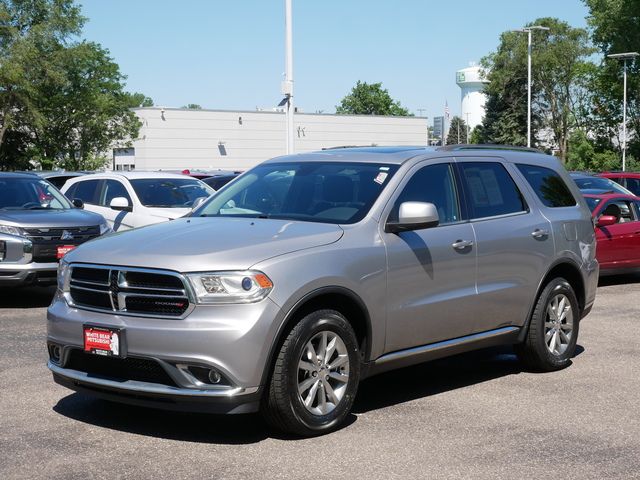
x: 50, y: 218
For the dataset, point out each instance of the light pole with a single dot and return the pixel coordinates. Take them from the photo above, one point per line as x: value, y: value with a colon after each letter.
x: 624, y: 57
x: 467, y: 115
x: 287, y: 84
x: 529, y: 31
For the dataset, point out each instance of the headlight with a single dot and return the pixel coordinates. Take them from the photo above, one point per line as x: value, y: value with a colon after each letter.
x: 11, y: 230
x: 230, y: 287
x: 63, y: 276
x: 105, y: 228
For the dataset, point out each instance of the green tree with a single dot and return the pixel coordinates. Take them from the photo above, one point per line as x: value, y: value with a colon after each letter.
x: 137, y: 100
x: 457, y: 131
x: 615, y: 28
x: 561, y: 73
x: 62, y: 101
x: 370, y: 99
x: 192, y: 106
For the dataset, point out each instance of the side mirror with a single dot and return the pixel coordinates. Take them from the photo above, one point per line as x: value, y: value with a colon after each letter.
x: 197, y: 202
x: 606, y: 220
x: 77, y: 203
x: 120, y: 204
x: 414, y: 216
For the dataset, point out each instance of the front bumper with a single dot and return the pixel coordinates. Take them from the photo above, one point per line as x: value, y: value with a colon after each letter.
x: 232, y: 339
x: 17, y: 267
x: 235, y: 401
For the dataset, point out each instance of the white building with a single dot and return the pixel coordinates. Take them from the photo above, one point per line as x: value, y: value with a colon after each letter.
x: 473, y: 98
x: 174, y: 138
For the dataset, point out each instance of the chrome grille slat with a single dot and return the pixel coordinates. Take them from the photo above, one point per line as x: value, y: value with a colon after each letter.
x: 126, y: 299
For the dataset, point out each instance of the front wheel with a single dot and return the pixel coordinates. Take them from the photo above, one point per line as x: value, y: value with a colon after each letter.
x: 553, y: 330
x: 315, y: 376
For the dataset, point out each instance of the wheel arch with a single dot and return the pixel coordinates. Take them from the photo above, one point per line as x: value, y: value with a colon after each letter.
x: 570, y: 271
x: 336, y: 298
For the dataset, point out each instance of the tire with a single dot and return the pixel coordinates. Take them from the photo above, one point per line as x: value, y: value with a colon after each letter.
x: 296, y: 378
x: 548, y: 331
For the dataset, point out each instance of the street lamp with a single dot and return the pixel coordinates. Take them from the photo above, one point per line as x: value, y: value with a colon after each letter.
x: 287, y: 84
x: 529, y: 31
x: 624, y: 57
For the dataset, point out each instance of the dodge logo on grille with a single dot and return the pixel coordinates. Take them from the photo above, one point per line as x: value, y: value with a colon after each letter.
x: 66, y: 235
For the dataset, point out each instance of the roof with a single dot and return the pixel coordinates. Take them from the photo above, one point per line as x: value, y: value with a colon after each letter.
x: 620, y: 174
x: 611, y: 196
x: 136, y: 175
x: 400, y: 154
x: 17, y: 175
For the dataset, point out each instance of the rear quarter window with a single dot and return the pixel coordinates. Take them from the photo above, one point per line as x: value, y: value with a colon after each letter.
x: 548, y: 185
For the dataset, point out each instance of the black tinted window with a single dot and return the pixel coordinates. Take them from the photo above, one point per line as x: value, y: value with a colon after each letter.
x: 86, y: 191
x: 633, y: 184
x: 114, y: 189
x: 324, y: 192
x: 491, y: 190
x: 548, y: 185
x: 170, y: 192
x: 433, y: 184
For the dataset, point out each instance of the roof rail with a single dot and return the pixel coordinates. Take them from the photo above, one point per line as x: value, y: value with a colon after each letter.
x: 487, y: 146
x: 337, y: 147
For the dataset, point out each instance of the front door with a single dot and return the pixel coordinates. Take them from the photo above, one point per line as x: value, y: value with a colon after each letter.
x: 619, y: 244
x: 431, y: 284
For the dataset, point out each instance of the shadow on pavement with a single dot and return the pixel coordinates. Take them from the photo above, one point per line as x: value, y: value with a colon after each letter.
x: 622, y: 279
x: 381, y: 391
x: 200, y: 428
x: 29, y: 297
x: 436, y: 377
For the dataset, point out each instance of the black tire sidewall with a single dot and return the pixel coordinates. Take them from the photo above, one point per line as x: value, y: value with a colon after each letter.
x: 555, y: 287
x: 312, y: 324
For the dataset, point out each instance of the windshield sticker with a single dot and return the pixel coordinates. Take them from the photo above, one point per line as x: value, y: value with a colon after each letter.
x: 381, y: 177
x: 384, y: 169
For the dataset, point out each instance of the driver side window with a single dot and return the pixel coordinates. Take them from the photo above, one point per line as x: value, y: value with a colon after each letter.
x: 433, y: 184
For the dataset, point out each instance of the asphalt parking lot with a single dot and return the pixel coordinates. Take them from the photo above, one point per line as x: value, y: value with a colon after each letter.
x: 472, y: 416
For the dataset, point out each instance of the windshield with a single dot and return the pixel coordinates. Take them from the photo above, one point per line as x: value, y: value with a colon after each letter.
x: 309, y: 191
x: 592, y: 202
x: 599, y: 183
x: 170, y: 192
x: 30, y: 194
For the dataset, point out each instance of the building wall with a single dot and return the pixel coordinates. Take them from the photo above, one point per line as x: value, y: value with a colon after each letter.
x: 211, y: 139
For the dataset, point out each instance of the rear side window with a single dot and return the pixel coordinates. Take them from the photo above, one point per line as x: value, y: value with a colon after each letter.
x: 85, y: 191
x: 491, y: 190
x: 548, y: 185
x: 633, y: 184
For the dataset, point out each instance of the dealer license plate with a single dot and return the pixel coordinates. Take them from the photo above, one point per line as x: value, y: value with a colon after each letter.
x: 63, y: 250
x: 103, y: 341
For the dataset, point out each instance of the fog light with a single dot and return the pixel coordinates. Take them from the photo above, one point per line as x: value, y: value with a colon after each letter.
x: 55, y: 352
x: 214, y: 377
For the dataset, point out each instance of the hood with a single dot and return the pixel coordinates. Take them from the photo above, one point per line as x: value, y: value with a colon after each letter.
x: 168, y: 213
x: 72, y: 217
x: 201, y: 244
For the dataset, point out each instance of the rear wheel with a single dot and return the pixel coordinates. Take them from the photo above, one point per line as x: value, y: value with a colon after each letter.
x: 315, y: 377
x: 553, y: 331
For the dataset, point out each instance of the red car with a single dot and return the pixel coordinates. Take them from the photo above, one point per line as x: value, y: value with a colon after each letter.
x: 629, y: 180
x: 617, y: 219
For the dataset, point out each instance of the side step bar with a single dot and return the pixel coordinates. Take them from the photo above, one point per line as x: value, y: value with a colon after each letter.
x: 433, y: 351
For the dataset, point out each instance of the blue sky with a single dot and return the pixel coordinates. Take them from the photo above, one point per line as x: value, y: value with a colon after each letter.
x: 230, y: 54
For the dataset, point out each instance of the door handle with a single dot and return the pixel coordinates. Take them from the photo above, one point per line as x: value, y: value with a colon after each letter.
x: 462, y: 244
x: 540, y: 233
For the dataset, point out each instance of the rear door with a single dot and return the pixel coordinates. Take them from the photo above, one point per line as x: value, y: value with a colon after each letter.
x: 430, y: 283
x: 514, y: 242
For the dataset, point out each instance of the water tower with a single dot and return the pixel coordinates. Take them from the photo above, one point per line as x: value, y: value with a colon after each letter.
x: 472, y: 97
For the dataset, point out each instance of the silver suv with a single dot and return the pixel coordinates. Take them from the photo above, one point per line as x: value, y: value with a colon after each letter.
x: 311, y: 272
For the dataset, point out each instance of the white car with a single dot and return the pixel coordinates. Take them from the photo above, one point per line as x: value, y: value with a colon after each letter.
x: 134, y: 199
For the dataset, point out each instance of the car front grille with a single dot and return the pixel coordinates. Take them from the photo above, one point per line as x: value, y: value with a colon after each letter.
x: 129, y: 291
x: 47, y: 240
x: 119, y: 369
